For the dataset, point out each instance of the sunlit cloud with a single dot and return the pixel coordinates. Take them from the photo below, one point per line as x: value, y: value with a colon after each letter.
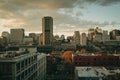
x: 68, y: 15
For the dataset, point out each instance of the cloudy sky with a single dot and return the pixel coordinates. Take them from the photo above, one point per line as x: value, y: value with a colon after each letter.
x: 68, y: 15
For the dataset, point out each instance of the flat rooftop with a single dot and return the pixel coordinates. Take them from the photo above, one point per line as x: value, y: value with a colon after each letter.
x: 95, y: 71
x: 94, y: 54
x: 11, y: 54
x: 14, y: 55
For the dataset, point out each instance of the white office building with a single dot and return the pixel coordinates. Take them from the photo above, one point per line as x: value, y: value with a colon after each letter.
x: 22, y: 66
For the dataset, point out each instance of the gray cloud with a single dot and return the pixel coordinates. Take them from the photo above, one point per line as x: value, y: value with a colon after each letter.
x: 107, y: 2
x: 101, y: 2
x: 50, y: 4
x: 28, y: 13
x: 43, y: 4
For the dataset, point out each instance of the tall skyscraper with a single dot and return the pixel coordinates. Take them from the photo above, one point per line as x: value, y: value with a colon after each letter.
x: 95, y: 34
x: 77, y: 37
x: 17, y: 35
x: 83, y: 39
x: 114, y: 33
x: 91, y: 33
x: 47, y: 30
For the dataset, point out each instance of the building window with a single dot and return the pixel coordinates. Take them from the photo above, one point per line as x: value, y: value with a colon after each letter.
x: 25, y: 72
x: 26, y: 62
x: 29, y: 61
x: 9, y: 68
x: 22, y: 65
x: 95, y: 59
x: 22, y: 76
x: 18, y: 67
x: 29, y: 70
x: 18, y: 77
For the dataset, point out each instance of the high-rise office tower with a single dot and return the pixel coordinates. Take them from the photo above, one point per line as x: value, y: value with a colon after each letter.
x: 95, y: 34
x: 91, y: 33
x: 114, y: 33
x: 47, y: 30
x: 77, y: 37
x: 17, y: 35
x: 83, y: 39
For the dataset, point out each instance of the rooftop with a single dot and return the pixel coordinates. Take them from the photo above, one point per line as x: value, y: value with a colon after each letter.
x: 95, y: 71
x: 11, y: 56
x: 94, y: 54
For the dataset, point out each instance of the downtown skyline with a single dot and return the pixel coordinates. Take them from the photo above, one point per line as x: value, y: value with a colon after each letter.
x: 68, y: 15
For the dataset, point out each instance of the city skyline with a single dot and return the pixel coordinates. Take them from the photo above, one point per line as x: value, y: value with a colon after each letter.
x: 68, y: 15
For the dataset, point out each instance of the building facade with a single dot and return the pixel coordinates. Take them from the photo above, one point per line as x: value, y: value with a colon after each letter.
x: 47, y: 30
x: 83, y: 39
x: 17, y: 35
x: 22, y: 66
x: 96, y: 59
x: 91, y: 33
x: 114, y: 33
x: 28, y: 41
x: 77, y: 37
x: 6, y: 35
x: 118, y: 38
x: 34, y: 36
x: 97, y: 37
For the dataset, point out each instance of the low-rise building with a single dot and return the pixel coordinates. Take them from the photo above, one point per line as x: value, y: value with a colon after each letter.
x: 96, y: 59
x: 96, y: 73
